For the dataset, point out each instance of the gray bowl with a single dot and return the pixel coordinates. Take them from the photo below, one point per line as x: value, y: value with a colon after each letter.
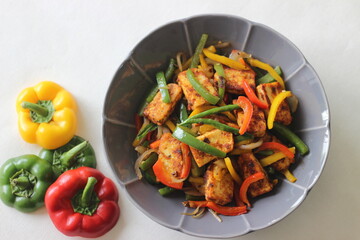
x: 134, y: 79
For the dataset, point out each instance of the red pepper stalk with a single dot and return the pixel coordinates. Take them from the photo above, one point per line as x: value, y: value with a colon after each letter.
x: 83, y: 202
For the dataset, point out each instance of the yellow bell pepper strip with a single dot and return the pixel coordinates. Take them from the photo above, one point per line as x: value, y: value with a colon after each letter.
x: 274, y: 157
x: 212, y: 49
x: 256, y: 63
x: 228, y: 114
x: 205, y: 128
x: 275, y: 106
x: 170, y: 125
x: 46, y: 115
x: 276, y: 146
x: 289, y: 176
x: 224, y: 60
x: 245, y: 186
x: 198, y: 50
x: 247, y: 107
x: 232, y: 171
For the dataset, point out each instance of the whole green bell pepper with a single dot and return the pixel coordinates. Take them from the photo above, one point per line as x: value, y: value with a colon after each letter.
x: 74, y: 154
x: 24, y: 181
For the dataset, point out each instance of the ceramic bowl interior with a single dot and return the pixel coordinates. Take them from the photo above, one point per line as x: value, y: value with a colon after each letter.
x: 134, y: 79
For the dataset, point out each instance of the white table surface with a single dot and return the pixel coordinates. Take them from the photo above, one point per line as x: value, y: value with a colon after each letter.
x: 80, y: 44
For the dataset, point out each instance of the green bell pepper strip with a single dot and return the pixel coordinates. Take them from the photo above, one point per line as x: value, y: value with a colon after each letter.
x: 200, y: 89
x: 192, y: 141
x: 268, y: 78
x: 24, y: 181
x: 165, y: 95
x: 215, y: 111
x: 166, y: 190
x: 150, y: 177
x: 196, y: 57
x: 170, y: 70
x: 74, y: 154
x: 291, y: 137
x: 245, y: 136
x: 214, y: 123
x: 183, y: 113
x: 265, y: 153
x: 144, y: 131
x: 149, y: 162
x: 222, y: 81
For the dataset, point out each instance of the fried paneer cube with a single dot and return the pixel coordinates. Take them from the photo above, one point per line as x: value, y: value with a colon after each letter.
x: 249, y: 165
x: 219, y: 139
x: 193, y: 98
x: 266, y: 93
x: 257, y: 125
x: 219, y: 185
x: 234, y: 79
x: 170, y: 154
x: 157, y: 111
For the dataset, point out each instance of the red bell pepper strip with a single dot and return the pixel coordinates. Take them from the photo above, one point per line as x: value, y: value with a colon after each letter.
x: 227, y: 211
x: 83, y: 202
x: 276, y: 146
x: 247, y: 107
x: 155, y: 144
x: 251, y: 95
x: 164, y: 176
x: 138, y: 122
x: 245, y: 186
x: 187, y: 160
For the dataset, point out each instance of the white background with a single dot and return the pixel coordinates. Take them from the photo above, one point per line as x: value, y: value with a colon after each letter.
x: 80, y: 44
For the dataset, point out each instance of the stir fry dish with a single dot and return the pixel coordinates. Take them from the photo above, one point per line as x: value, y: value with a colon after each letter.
x: 217, y: 127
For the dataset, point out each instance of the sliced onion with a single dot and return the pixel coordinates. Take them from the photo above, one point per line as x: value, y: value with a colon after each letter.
x: 293, y: 102
x: 215, y: 215
x: 139, y: 161
x: 194, y: 192
x: 236, y: 55
x: 210, y: 61
x: 159, y: 132
x: 166, y: 130
x: 200, y: 213
x: 140, y: 149
x: 251, y: 145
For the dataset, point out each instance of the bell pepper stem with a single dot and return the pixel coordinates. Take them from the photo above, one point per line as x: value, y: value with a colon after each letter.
x: 22, y: 182
x: 88, y: 191
x: 43, y: 111
x: 68, y: 157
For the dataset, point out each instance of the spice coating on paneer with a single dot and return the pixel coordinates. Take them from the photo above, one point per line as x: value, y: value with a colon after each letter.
x: 157, y: 111
x: 219, y: 139
x: 266, y: 93
x: 170, y: 154
x: 234, y: 79
x: 193, y: 98
x: 257, y: 125
x: 219, y: 185
x: 249, y: 165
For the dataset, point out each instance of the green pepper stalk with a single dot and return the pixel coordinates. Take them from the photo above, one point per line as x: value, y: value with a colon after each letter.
x: 214, y: 123
x: 196, y: 58
x: 170, y: 70
x: 214, y: 111
x: 24, y: 181
x: 192, y: 141
x: 183, y: 113
x: 200, y: 89
x: 76, y: 153
x: 267, y: 78
x: 165, y: 95
x: 291, y: 137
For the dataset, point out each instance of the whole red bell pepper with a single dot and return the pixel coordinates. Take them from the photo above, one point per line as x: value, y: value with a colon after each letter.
x: 83, y: 202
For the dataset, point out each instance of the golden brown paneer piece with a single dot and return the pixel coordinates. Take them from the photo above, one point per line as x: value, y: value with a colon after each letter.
x: 257, y: 125
x: 249, y: 165
x: 219, y: 185
x: 234, y: 79
x: 170, y: 154
x: 157, y: 111
x: 193, y: 98
x: 266, y: 93
x: 219, y: 139
x: 283, y: 163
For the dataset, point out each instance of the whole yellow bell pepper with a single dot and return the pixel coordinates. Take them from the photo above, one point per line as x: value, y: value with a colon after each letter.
x: 46, y: 115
